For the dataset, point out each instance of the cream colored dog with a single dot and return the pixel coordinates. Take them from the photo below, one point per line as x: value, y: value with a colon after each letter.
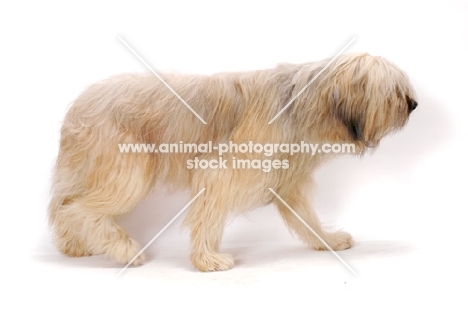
x: 358, y: 99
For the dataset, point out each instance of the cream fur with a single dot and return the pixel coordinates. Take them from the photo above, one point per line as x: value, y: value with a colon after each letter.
x: 359, y: 98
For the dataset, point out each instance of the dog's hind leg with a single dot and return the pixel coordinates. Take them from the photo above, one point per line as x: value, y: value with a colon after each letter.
x: 86, y: 201
x: 81, y: 232
x: 295, y: 196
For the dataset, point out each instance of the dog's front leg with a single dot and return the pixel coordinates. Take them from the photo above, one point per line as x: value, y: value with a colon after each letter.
x: 296, y: 198
x: 206, y: 219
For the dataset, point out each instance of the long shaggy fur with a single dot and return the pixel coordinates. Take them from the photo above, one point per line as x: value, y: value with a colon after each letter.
x: 358, y: 99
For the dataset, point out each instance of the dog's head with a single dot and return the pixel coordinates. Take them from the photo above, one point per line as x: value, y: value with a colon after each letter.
x: 370, y: 98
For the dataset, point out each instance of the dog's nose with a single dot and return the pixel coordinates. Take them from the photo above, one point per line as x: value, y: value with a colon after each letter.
x: 412, y: 104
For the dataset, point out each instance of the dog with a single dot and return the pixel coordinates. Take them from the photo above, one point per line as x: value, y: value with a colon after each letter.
x: 355, y: 98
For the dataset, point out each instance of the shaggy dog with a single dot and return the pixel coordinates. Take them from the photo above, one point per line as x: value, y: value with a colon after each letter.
x: 358, y: 99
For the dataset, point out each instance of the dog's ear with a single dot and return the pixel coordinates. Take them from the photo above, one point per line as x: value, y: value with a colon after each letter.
x: 348, y: 115
x: 355, y: 126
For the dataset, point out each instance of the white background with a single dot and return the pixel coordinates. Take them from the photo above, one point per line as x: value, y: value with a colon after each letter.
x: 405, y: 204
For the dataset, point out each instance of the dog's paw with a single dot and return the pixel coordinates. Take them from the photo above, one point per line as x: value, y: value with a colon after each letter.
x: 212, y: 262
x: 124, y: 250
x: 338, y: 241
x: 73, y: 248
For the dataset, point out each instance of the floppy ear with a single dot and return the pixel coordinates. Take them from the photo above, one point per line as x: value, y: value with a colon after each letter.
x: 347, y: 114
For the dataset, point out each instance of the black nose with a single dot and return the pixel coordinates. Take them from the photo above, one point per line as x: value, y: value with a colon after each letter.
x: 412, y: 104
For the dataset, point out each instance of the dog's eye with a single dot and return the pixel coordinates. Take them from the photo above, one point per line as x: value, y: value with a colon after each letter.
x: 412, y: 104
